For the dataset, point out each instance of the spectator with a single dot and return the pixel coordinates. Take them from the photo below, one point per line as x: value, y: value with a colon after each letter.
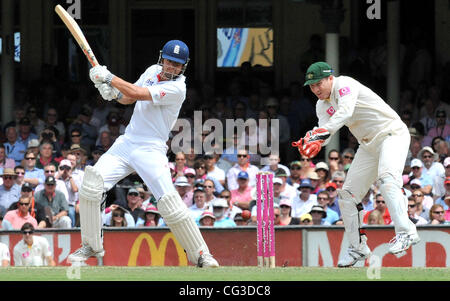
x: 319, y: 215
x: 180, y: 164
x: 33, y: 146
x: 323, y: 198
x: 447, y: 211
x: 32, y: 250
x: 232, y: 209
x: 51, y: 119
x: 77, y: 174
x: 334, y: 161
x: 15, y: 219
x: 9, y: 190
x: 274, y: 165
x: 347, y: 158
x: 4, y: 161
x: 25, y: 135
x: 4, y: 255
x: 96, y: 154
x: 14, y: 149
x: 338, y: 178
x: 367, y: 200
x: 443, y: 150
x: 207, y: 219
x: 322, y: 171
x: 35, y: 121
x: 184, y: 190
x: 132, y: 204
x: 431, y: 165
x: 314, y: 178
x: 71, y: 185
x: 75, y: 138
x: 333, y: 202
x: 241, y: 196
x: 88, y: 131
x: 306, y: 167
x: 380, y: 205
x: 375, y: 218
x: 151, y: 217
x: 285, y: 214
x: 294, y: 179
x: 243, y: 165
x: 219, y: 208
x: 20, y: 172
x: 36, y: 210
x: 80, y: 154
x: 239, y: 220
x: 442, y: 128
x: 437, y: 215
x: 189, y: 173
x: 49, y: 134
x: 200, y: 169
x: 416, y: 219
x: 118, y: 216
x: 33, y: 175
x: 212, y: 170
x: 112, y: 126
x: 45, y: 155
x: 305, y: 200
x: 199, y: 203
x: 420, y: 209
x: 425, y: 180
x: 210, y: 190
x: 306, y: 220
x: 287, y: 191
x: 277, y: 196
x: 57, y: 204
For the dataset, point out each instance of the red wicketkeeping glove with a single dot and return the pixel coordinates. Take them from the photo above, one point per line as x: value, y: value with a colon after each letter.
x: 311, y: 144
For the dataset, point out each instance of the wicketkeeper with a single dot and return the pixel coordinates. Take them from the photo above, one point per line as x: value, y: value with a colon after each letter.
x: 384, y: 141
x: 158, y: 96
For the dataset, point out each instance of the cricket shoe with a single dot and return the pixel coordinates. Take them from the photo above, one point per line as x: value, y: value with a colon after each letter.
x: 84, y: 253
x: 402, y: 241
x: 206, y: 260
x: 354, y: 255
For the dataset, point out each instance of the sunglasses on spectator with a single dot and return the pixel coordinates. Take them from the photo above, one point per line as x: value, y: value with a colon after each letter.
x: 296, y: 168
x: 23, y: 204
x: 27, y: 232
x: 117, y: 215
x: 133, y: 194
x: 332, y: 158
x: 49, y: 171
x: 438, y: 212
x: 20, y: 173
x: 380, y: 202
x: 305, y: 159
x: 418, y: 195
x: 9, y: 177
x: 190, y: 176
x: 30, y: 158
x: 65, y: 168
x: 331, y: 189
x: 338, y: 181
x: 76, y: 135
x: 225, y: 196
x: 348, y: 157
x: 412, y: 205
x: 427, y: 156
x: 208, y: 186
x: 242, y: 156
x: 306, y: 221
x: 200, y: 167
x: 322, y: 199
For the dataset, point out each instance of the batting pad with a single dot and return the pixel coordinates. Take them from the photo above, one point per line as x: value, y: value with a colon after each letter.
x: 176, y: 216
x: 91, y: 194
x: 352, y: 218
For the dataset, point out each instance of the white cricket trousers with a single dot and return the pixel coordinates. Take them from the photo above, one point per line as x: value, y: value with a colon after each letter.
x: 148, y: 160
x: 384, y: 161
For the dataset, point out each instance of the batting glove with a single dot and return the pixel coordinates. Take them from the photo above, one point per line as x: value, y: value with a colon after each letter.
x: 100, y: 74
x: 107, y: 92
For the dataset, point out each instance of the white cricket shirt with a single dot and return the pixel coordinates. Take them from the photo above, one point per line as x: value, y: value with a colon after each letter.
x: 34, y: 256
x: 153, y: 120
x: 4, y: 252
x: 366, y: 114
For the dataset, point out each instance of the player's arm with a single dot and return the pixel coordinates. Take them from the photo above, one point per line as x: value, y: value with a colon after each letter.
x: 130, y: 92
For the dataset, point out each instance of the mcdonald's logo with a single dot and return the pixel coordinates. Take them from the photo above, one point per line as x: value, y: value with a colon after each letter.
x: 157, y: 254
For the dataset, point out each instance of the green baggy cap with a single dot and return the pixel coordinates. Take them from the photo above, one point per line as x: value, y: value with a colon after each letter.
x: 316, y: 72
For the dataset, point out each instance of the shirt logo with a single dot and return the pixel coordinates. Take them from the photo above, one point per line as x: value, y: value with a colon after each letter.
x: 176, y: 49
x: 331, y: 111
x: 149, y: 82
x: 344, y: 91
x: 162, y: 94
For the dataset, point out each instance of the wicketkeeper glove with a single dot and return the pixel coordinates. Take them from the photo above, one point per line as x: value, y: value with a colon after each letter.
x: 311, y: 144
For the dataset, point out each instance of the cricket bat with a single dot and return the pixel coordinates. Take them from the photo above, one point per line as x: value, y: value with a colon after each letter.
x: 77, y: 34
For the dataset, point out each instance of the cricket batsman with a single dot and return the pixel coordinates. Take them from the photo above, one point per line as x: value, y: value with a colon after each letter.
x: 384, y: 141
x: 158, y: 96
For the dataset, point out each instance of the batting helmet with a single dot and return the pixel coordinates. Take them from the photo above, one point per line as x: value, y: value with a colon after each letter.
x: 175, y: 50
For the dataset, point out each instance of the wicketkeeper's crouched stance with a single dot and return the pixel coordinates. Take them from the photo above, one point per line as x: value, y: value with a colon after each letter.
x: 384, y: 141
x: 159, y: 94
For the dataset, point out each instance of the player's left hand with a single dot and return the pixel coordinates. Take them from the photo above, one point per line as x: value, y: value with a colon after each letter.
x: 107, y: 92
x: 311, y: 144
x: 100, y: 74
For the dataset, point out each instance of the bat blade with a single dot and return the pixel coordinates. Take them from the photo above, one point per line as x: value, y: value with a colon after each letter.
x: 78, y: 35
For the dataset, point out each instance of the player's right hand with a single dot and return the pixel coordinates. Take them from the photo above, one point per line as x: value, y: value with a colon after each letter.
x: 99, y: 74
x: 107, y: 92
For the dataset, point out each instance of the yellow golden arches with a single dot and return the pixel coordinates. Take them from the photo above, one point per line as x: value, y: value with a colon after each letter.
x: 157, y: 253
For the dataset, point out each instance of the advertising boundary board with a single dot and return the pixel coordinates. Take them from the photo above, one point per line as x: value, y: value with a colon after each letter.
x: 295, y: 246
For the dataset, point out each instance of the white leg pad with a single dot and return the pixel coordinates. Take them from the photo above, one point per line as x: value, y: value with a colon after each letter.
x: 176, y: 215
x: 352, y: 217
x: 395, y: 202
x: 91, y: 197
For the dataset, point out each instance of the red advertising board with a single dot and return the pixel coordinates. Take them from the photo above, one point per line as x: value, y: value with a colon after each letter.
x: 295, y: 246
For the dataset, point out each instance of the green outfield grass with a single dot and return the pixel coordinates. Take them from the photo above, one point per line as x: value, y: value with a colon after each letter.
x: 221, y: 274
